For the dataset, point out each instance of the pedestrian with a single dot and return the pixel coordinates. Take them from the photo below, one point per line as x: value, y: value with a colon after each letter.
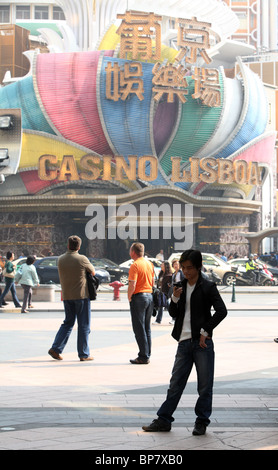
x: 177, y: 274
x: 177, y: 277
x: 9, y: 274
x: 191, y: 307
x: 72, y: 269
x: 160, y: 255
x: 28, y: 278
x: 164, y: 285
x: 140, y: 286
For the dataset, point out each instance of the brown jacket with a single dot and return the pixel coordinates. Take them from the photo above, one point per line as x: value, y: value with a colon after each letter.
x: 72, y: 269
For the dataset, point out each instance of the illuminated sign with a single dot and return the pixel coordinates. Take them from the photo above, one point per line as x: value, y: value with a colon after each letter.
x: 107, y: 168
x: 136, y: 33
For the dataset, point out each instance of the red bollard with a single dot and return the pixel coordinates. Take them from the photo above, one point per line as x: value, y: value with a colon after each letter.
x: 116, y: 286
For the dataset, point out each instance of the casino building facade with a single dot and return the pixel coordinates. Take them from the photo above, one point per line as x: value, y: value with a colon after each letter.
x: 132, y: 128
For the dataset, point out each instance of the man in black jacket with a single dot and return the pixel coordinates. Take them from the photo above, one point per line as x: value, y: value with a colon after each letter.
x: 191, y: 308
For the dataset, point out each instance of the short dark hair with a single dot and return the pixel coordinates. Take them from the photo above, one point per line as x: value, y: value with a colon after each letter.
x: 167, y: 267
x: 9, y: 254
x: 30, y: 260
x: 195, y: 256
x: 74, y: 242
x: 138, y: 248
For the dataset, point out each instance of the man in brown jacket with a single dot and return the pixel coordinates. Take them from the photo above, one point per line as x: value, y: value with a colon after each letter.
x: 72, y: 269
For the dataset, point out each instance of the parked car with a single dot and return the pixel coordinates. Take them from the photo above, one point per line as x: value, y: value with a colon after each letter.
x: 20, y: 261
x: 47, y: 269
x: 225, y: 271
x: 156, y: 263
x: 117, y: 272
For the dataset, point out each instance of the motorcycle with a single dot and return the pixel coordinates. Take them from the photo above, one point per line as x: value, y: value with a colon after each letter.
x: 211, y: 276
x: 243, y: 278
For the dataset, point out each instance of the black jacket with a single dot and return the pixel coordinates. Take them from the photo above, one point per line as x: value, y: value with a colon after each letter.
x: 204, y: 296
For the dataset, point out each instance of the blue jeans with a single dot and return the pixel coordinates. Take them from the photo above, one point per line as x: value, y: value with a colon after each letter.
x: 189, y: 353
x: 80, y: 309
x: 10, y: 286
x: 141, y: 309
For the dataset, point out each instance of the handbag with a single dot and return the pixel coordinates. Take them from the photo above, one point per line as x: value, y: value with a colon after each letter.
x: 93, y: 284
x: 6, y: 274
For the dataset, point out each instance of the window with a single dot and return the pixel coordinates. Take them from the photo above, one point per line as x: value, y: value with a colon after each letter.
x: 41, y: 13
x: 23, y: 12
x: 4, y: 14
x: 58, y: 14
x: 49, y: 263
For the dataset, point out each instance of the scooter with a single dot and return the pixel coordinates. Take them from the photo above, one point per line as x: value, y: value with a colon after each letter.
x: 243, y: 278
x: 211, y: 276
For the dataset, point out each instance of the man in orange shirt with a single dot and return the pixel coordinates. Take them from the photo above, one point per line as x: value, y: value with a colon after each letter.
x: 140, y: 286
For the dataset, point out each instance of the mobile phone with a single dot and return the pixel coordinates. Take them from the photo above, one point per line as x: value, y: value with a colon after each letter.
x: 177, y: 284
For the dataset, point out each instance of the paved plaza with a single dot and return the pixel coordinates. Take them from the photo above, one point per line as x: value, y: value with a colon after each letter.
x: 102, y: 405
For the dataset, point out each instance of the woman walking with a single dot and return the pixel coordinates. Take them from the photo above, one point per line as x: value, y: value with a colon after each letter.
x: 9, y: 273
x: 28, y: 279
x: 164, y: 284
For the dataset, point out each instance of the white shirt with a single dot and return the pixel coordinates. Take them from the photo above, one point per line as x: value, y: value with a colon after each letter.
x: 186, y: 327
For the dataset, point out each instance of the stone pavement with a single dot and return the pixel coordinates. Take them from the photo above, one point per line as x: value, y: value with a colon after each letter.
x: 101, y: 405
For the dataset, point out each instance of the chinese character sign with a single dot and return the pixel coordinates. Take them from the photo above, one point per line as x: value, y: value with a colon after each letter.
x: 194, y: 36
x: 207, y: 86
x: 120, y: 83
x: 136, y: 31
x: 170, y: 80
x: 140, y: 38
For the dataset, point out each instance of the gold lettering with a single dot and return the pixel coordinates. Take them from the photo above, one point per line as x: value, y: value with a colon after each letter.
x: 210, y: 175
x: 68, y: 168
x: 225, y: 171
x: 128, y: 167
x: 195, y: 178
x: 153, y: 166
x: 240, y: 171
x: 88, y: 162
x: 253, y: 174
x: 43, y: 173
x: 107, y: 171
x: 176, y: 170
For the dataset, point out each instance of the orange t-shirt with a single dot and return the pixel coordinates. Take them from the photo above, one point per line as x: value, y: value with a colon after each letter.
x: 142, y: 271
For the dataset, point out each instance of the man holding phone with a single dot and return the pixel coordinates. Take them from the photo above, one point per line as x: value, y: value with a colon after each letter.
x: 191, y: 308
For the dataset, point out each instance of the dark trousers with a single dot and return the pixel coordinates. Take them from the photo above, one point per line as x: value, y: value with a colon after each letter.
x: 27, y: 295
x: 189, y: 353
x: 141, y: 309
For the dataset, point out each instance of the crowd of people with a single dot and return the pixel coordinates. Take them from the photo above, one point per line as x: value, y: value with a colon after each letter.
x: 28, y: 278
x: 194, y: 304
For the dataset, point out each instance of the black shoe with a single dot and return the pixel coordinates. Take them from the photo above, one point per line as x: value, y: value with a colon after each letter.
x: 139, y: 361
x: 199, y: 429
x: 158, y: 425
x: 276, y: 340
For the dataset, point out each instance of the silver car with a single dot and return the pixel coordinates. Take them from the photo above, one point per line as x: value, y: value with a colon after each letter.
x: 225, y: 271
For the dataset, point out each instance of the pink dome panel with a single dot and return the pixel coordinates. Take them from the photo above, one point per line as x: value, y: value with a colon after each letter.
x: 67, y: 87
